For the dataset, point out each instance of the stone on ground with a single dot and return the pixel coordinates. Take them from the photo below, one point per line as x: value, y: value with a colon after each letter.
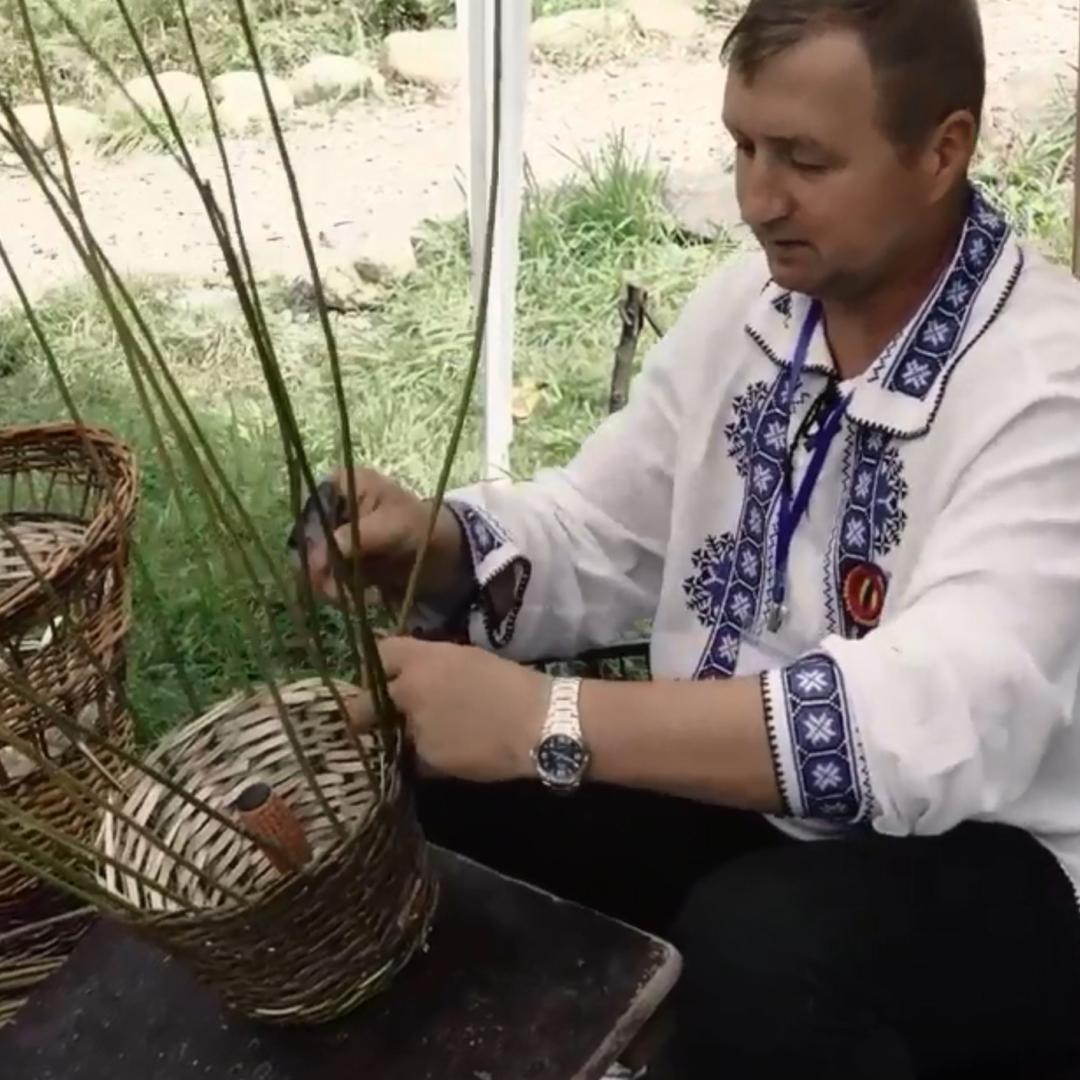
x: 183, y: 92
x: 344, y: 291
x: 240, y: 102
x: 77, y: 126
x: 334, y: 78
x: 358, y: 269
x: 382, y: 258
x: 429, y: 58
x: 704, y: 204
x: 574, y: 30
x: 675, y: 19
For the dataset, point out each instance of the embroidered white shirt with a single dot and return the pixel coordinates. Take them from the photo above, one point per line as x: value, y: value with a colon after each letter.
x: 956, y: 475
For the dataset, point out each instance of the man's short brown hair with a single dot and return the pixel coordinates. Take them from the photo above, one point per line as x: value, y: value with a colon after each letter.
x: 928, y: 56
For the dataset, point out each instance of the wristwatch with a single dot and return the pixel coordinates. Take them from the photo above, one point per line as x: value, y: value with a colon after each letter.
x: 561, y: 756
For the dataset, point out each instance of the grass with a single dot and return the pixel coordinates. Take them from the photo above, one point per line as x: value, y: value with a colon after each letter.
x: 557, y: 7
x: 1030, y: 177
x: 290, y: 32
x: 580, y: 241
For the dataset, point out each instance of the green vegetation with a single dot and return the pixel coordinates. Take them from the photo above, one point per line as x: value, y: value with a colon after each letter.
x: 1031, y: 179
x: 580, y: 243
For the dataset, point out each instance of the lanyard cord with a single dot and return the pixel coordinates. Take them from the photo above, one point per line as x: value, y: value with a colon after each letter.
x: 794, y: 505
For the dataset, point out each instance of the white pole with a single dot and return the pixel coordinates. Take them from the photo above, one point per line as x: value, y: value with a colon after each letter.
x: 1076, y: 190
x: 476, y: 20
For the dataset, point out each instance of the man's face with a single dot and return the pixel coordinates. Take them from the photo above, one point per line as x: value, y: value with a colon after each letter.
x: 827, y: 194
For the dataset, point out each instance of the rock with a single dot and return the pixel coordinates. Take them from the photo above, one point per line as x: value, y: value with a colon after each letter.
x: 345, y: 291
x: 334, y: 78
x: 382, y: 258
x: 674, y: 19
x: 526, y: 396
x: 240, y: 100
x: 429, y: 57
x: 575, y: 29
x: 183, y: 92
x: 704, y: 205
x: 242, y: 117
x: 357, y: 272
x: 77, y: 126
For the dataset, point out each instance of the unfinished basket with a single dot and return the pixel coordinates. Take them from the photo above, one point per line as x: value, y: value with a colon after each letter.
x: 67, y: 503
x: 38, y: 931
x: 303, y: 946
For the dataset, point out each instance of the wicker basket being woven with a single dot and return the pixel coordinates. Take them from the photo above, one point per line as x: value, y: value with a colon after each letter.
x: 67, y: 504
x: 306, y: 946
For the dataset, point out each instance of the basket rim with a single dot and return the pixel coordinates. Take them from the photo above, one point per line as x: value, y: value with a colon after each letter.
x: 396, y: 800
x: 108, y: 526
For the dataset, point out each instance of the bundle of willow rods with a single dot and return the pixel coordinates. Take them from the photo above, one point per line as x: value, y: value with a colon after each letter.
x: 263, y: 842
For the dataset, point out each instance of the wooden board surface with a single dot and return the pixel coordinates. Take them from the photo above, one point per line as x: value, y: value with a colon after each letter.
x: 516, y: 985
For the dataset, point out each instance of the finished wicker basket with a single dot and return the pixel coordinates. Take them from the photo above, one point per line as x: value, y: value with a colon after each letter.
x: 313, y: 943
x: 67, y: 504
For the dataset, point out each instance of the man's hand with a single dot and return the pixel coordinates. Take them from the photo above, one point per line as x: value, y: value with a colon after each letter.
x: 470, y: 714
x: 474, y: 716
x: 391, y: 523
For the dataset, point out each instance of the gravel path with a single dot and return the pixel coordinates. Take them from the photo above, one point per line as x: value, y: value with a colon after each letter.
x: 389, y: 166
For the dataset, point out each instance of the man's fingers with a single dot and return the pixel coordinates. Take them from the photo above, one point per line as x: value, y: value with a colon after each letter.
x: 359, y: 705
x: 360, y: 712
x: 396, y: 652
x: 375, y: 534
x: 368, y: 489
x: 379, y: 533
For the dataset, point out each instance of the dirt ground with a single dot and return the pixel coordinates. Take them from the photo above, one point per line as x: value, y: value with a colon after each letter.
x: 388, y: 166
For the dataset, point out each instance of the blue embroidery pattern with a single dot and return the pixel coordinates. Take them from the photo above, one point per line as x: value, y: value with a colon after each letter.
x: 483, y: 532
x: 871, y: 520
x: 782, y: 304
x: 485, y: 536
x: 933, y: 342
x: 725, y: 590
x: 712, y: 568
x: 826, y: 755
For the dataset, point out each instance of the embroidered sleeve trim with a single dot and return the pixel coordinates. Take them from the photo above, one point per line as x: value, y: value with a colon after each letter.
x: 774, y: 749
x: 821, y: 768
x: 493, y: 555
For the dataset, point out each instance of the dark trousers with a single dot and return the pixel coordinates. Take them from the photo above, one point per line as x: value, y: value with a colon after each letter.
x: 866, y: 957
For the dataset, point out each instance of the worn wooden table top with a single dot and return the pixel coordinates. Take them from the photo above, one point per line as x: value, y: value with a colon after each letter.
x: 516, y: 985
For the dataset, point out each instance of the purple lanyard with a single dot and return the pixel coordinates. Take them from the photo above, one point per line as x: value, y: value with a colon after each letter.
x: 794, y: 505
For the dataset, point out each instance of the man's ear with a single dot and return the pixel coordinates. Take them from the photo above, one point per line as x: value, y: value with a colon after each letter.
x: 949, y: 152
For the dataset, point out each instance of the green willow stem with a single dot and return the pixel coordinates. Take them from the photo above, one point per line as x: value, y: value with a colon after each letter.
x: 11, y: 810
x: 233, y: 545
x: 90, y: 800
x: 68, y: 726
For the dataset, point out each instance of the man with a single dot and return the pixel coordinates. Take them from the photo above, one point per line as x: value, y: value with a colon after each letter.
x: 847, y: 493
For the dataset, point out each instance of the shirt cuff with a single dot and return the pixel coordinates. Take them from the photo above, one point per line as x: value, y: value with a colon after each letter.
x: 485, y: 607
x: 820, y: 764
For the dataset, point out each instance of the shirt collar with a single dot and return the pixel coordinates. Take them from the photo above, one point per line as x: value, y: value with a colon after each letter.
x: 902, y: 390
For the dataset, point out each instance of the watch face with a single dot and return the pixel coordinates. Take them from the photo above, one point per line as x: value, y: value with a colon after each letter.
x: 560, y: 759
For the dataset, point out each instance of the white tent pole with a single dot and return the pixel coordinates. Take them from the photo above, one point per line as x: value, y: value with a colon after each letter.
x: 475, y: 27
x: 476, y: 18
x: 1076, y: 186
